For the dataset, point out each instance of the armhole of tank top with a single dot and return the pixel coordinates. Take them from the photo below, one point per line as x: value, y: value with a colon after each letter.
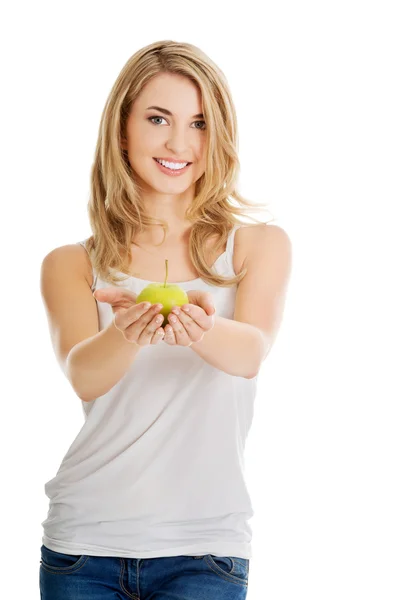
x: 93, y: 287
x: 230, y: 244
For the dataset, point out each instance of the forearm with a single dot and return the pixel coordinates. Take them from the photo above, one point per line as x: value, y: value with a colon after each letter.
x: 233, y: 347
x: 97, y: 364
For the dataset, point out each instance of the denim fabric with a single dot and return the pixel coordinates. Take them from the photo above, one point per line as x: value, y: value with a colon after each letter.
x: 209, y: 577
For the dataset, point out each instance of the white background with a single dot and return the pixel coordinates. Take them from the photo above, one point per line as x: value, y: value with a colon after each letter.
x: 316, y: 88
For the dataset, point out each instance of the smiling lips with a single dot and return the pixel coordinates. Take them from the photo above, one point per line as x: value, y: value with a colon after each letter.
x: 172, y: 164
x: 171, y: 160
x: 177, y: 170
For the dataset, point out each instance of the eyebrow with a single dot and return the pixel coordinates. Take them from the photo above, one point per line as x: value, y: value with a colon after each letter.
x: 169, y: 113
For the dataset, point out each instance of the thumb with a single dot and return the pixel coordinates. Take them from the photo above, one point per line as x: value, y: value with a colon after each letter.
x: 210, y: 309
x: 115, y: 295
x: 204, y: 300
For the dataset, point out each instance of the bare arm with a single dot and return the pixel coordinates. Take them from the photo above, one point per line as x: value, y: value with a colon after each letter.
x: 93, y: 361
x: 239, y: 346
x: 233, y: 347
x: 97, y: 364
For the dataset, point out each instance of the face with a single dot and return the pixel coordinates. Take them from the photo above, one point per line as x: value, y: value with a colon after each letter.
x: 180, y: 137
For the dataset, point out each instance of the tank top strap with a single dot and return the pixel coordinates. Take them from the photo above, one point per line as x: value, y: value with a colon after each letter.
x: 231, y: 240
x: 228, y: 254
x: 93, y: 287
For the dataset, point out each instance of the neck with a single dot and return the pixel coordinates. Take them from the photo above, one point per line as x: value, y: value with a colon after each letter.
x: 153, y: 236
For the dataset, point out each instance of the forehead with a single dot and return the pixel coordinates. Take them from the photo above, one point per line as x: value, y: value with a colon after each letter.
x: 173, y: 92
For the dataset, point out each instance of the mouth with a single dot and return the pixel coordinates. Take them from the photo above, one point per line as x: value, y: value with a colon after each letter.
x: 172, y: 171
x: 179, y: 162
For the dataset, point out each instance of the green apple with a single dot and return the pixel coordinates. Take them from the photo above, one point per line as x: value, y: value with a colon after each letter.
x: 167, y: 294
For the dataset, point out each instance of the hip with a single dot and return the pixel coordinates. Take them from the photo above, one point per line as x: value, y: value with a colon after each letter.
x: 86, y: 577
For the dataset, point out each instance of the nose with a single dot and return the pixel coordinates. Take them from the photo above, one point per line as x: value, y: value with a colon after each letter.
x: 177, y: 140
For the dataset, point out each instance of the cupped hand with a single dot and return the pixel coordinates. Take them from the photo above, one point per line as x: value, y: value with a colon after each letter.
x: 193, y: 320
x: 140, y: 324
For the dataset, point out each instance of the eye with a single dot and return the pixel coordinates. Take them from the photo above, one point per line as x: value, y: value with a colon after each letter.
x: 158, y: 117
x: 204, y: 123
x: 150, y: 119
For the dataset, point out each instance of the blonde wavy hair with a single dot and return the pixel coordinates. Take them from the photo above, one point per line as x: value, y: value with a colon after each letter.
x: 116, y: 211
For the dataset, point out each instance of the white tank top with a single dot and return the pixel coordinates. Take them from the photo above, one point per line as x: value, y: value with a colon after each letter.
x: 157, y: 468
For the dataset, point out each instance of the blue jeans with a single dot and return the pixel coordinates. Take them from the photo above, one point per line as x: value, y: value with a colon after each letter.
x: 209, y: 577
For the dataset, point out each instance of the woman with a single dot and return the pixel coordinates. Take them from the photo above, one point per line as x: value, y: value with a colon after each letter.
x: 150, y: 499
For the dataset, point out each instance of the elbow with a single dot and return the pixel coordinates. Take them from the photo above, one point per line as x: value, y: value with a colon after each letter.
x: 85, y: 399
x: 262, y: 353
x: 265, y: 352
x: 252, y: 376
x: 71, y: 374
x: 80, y: 395
x: 253, y: 373
x: 266, y: 343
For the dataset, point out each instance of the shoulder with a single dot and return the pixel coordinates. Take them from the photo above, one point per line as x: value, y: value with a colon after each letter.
x: 70, y: 256
x: 254, y: 241
x: 261, y: 231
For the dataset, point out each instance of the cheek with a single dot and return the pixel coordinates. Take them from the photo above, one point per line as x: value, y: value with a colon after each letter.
x: 141, y: 150
x: 140, y: 141
x: 201, y: 165
x: 202, y: 155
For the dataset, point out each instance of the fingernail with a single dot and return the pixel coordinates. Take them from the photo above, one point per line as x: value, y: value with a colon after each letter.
x: 186, y: 308
x: 146, y: 305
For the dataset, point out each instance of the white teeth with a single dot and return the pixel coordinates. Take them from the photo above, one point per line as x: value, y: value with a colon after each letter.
x: 170, y: 165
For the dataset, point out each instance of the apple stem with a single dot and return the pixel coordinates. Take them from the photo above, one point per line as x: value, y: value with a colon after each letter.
x: 166, y: 272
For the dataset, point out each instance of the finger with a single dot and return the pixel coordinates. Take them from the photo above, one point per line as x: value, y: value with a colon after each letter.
x: 203, y: 299
x: 143, y: 331
x: 194, y: 331
x: 169, y: 337
x: 158, y: 336
x: 181, y: 335
x: 197, y: 314
x: 137, y: 316
x: 153, y: 333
